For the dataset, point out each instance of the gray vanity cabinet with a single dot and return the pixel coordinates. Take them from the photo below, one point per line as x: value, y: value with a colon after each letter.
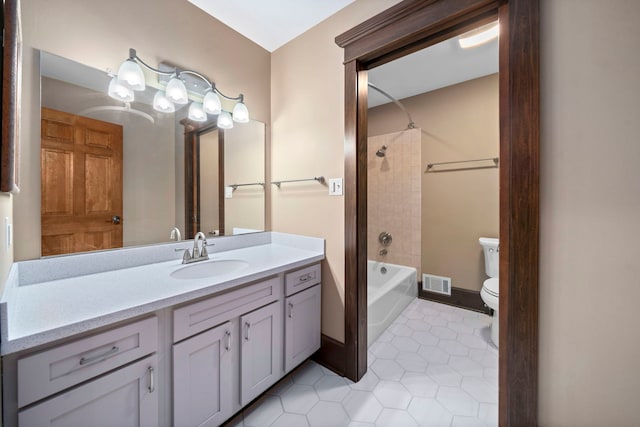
x: 302, y: 315
x: 302, y: 326
x: 126, y: 397
x: 202, y: 367
x: 261, y: 351
x: 81, y: 382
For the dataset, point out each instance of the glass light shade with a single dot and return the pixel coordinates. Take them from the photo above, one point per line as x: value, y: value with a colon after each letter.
x: 162, y: 103
x: 119, y: 91
x: 240, y: 113
x: 211, y: 103
x: 176, y: 91
x: 196, y: 112
x: 131, y: 74
x: 479, y: 36
x: 224, y: 120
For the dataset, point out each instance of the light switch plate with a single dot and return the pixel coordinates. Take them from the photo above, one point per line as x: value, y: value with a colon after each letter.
x: 335, y: 186
x: 228, y: 192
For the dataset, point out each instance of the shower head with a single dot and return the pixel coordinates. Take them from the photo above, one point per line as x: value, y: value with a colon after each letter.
x: 381, y: 152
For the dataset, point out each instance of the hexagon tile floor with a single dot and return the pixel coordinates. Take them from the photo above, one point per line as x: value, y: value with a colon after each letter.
x: 433, y: 366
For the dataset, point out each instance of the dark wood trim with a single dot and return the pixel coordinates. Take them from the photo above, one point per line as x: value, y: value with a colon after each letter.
x: 192, y: 133
x: 221, y: 198
x: 519, y: 211
x: 407, y: 27
x: 11, y: 87
x: 331, y: 355
x: 463, y: 298
x: 355, y: 220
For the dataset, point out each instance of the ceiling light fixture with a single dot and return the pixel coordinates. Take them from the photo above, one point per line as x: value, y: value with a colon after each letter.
x: 131, y: 77
x: 480, y: 35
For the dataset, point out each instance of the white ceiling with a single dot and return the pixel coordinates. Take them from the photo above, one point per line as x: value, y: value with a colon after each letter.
x: 271, y: 24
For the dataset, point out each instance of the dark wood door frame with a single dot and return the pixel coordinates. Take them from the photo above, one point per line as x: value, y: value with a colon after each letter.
x: 192, y: 133
x: 405, y: 28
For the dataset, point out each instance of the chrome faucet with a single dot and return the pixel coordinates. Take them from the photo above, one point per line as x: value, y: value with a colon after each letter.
x: 197, y: 253
x: 175, y: 234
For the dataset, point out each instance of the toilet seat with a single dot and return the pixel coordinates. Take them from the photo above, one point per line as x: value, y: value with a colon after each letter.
x: 491, y: 286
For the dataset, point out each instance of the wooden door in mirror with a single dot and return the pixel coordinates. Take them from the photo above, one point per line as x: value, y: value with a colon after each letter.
x: 11, y: 70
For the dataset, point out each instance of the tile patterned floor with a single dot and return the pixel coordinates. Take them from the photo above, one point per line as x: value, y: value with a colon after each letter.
x: 433, y: 367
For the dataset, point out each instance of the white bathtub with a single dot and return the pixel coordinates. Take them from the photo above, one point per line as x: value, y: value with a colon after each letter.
x: 388, y: 293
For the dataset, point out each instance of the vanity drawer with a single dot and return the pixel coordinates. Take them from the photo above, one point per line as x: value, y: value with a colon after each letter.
x: 200, y: 316
x: 53, y: 370
x: 304, y: 278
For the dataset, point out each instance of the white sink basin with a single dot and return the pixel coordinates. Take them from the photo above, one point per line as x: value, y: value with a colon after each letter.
x: 202, y: 269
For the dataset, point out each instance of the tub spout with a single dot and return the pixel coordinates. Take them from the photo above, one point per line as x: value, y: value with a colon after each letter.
x: 382, y: 252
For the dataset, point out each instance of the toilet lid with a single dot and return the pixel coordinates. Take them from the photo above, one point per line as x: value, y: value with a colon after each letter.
x: 492, y: 286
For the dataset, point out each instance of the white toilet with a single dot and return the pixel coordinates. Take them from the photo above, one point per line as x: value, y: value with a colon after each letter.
x: 490, y: 287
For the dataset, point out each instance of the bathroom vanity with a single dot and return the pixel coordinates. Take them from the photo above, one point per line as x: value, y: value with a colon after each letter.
x: 134, y: 337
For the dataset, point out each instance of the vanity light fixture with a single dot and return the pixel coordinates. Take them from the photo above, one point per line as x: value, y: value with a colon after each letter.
x: 196, y: 112
x: 240, y: 112
x: 480, y: 35
x: 131, y: 77
x: 224, y: 120
x: 211, y: 102
x: 119, y: 91
x: 162, y: 103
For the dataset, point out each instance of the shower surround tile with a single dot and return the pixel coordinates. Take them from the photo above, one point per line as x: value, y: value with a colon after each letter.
x: 394, y: 195
x: 432, y: 367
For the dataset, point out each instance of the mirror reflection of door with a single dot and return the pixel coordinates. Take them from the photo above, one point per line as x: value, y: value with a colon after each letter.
x: 204, y: 179
x: 81, y: 183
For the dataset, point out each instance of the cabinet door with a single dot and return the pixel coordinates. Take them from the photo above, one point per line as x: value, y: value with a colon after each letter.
x: 126, y: 397
x: 302, y: 327
x: 202, y: 368
x: 261, y: 351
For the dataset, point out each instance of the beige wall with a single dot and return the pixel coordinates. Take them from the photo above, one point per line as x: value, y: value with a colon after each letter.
x: 244, y: 163
x: 394, y: 197
x: 99, y: 34
x: 590, y: 213
x: 209, y: 212
x: 307, y: 111
x: 459, y: 122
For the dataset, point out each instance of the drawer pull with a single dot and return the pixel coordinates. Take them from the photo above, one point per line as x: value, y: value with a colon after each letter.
x: 290, y: 310
x: 100, y: 357
x: 228, y: 346
x: 306, y: 277
x: 247, y: 326
x: 152, y: 385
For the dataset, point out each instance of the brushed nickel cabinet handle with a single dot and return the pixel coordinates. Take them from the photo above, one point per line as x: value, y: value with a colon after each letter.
x: 152, y: 385
x: 100, y: 357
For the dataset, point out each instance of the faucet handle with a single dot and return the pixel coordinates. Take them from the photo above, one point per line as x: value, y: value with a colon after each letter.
x: 186, y: 257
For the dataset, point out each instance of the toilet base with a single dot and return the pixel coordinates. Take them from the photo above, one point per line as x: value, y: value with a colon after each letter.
x: 495, y: 322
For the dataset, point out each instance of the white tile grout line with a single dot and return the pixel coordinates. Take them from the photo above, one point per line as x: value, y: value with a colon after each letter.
x: 425, y: 311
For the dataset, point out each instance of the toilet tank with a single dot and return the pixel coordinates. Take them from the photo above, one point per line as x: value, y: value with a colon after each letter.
x: 491, y: 255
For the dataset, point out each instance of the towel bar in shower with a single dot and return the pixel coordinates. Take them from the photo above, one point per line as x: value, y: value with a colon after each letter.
x: 495, y: 161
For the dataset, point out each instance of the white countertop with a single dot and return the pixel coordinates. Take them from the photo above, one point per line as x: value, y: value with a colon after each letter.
x: 42, y: 312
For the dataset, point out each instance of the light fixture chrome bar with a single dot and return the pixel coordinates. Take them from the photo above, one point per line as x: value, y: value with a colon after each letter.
x: 411, y: 124
x: 178, y: 71
x: 320, y: 179
x: 495, y: 161
x: 235, y: 186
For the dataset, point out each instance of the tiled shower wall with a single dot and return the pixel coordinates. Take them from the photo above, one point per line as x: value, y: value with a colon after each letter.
x: 394, y: 197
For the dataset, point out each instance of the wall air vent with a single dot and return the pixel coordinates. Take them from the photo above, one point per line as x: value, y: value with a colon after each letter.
x: 436, y: 284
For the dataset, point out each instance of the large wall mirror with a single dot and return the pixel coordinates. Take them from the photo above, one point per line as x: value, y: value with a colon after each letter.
x: 136, y: 173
